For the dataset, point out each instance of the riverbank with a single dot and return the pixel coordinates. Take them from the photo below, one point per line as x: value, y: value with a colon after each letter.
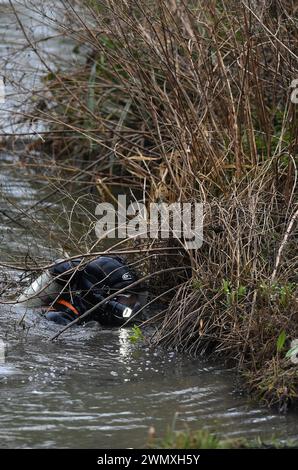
x: 203, y: 439
x: 193, y: 104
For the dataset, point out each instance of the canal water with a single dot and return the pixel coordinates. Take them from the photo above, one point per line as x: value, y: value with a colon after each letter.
x: 93, y: 388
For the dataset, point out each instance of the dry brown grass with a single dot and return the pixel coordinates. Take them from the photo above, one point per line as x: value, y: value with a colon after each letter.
x: 190, y: 101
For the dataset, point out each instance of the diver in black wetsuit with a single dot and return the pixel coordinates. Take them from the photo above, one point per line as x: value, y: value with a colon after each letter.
x: 83, y: 285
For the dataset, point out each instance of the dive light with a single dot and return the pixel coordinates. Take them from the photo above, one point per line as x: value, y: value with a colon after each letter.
x: 117, y: 309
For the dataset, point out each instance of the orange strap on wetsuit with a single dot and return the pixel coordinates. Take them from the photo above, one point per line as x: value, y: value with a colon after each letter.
x: 68, y: 305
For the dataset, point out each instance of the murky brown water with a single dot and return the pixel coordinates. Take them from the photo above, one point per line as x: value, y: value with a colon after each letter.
x: 93, y: 388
